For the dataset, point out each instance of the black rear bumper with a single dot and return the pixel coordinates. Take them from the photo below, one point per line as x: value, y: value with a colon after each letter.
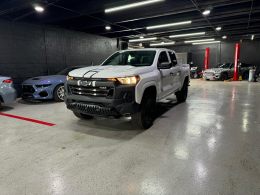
x: 121, y: 103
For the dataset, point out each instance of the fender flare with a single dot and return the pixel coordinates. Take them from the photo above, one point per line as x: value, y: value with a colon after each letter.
x: 139, y: 92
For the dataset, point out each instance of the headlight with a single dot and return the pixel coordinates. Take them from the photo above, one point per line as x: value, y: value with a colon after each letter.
x: 39, y: 86
x: 69, y: 78
x: 129, y: 80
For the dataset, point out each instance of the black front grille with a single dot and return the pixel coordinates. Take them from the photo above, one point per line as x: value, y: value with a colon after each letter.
x: 92, y: 91
x: 92, y: 109
x: 28, y: 88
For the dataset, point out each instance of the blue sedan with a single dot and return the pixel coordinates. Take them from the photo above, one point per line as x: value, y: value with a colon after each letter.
x: 47, y: 87
x: 7, y: 91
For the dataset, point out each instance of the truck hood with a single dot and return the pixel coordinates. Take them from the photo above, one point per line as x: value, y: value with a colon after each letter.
x: 45, y: 80
x: 110, y: 71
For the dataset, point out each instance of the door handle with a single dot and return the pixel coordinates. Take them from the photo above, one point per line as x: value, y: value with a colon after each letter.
x: 171, y: 74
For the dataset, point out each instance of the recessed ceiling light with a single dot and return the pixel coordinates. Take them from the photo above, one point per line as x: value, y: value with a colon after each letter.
x: 39, y: 8
x: 252, y: 38
x: 202, y: 40
x: 224, y: 37
x: 186, y: 35
x: 131, y: 5
x: 141, y: 37
x: 218, y: 28
x: 145, y: 39
x: 206, y: 12
x: 161, y: 44
x: 167, y: 25
x: 210, y: 42
x: 108, y: 27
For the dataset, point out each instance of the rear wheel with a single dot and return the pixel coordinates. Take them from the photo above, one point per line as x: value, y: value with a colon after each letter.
x: 245, y: 75
x: 144, y: 118
x: 224, y: 76
x: 58, y: 93
x: 183, y: 93
x: 82, y: 116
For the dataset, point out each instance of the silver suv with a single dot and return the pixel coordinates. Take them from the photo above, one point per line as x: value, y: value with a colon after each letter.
x: 225, y: 71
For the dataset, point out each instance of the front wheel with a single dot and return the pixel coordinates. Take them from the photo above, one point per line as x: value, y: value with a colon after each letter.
x: 144, y: 118
x: 58, y: 93
x: 183, y: 93
x: 1, y: 104
x: 224, y: 76
x: 82, y: 116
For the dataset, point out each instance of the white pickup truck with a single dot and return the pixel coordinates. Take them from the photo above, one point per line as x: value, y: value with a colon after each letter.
x: 128, y: 83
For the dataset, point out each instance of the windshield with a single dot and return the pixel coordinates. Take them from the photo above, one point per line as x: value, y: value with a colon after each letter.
x: 223, y: 65
x: 67, y: 70
x: 132, y: 58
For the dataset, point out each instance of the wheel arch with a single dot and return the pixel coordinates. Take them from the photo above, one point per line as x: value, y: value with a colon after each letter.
x: 147, y: 87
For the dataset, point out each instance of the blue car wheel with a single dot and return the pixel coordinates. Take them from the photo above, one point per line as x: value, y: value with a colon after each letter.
x: 58, y: 93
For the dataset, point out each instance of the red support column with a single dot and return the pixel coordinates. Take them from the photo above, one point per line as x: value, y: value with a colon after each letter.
x: 207, y: 58
x: 237, y: 58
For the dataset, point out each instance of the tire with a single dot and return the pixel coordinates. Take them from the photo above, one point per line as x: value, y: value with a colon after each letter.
x: 224, y: 76
x: 144, y: 118
x: 1, y: 104
x: 183, y: 93
x: 58, y: 93
x: 83, y: 116
x: 245, y: 75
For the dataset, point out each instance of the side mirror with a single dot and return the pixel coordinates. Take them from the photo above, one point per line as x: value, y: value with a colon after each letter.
x: 165, y: 65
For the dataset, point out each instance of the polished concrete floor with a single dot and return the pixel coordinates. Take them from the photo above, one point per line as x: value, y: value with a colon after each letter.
x: 208, y: 145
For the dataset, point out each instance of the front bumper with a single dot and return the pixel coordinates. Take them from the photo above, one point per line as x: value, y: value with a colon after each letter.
x: 215, y: 76
x: 37, y: 93
x: 120, y: 103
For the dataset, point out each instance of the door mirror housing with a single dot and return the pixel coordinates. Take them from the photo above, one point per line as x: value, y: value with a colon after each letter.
x: 165, y: 65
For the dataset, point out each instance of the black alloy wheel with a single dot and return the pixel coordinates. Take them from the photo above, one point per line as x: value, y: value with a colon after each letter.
x: 143, y: 119
x: 224, y: 76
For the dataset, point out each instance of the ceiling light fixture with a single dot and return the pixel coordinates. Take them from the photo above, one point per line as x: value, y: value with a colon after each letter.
x: 206, y: 12
x: 108, y: 27
x: 202, y: 40
x: 224, y: 37
x: 218, y: 28
x: 252, y: 38
x: 210, y: 42
x: 131, y: 5
x: 145, y: 39
x: 167, y: 25
x: 186, y: 35
x: 141, y: 37
x: 160, y: 44
x: 39, y: 8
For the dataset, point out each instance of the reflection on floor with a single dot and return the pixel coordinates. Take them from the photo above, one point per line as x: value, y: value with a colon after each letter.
x: 208, y: 145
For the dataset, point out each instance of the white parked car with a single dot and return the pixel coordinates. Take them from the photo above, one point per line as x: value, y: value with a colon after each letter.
x: 129, y: 82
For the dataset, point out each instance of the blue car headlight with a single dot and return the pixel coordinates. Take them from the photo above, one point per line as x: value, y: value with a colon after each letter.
x: 40, y: 86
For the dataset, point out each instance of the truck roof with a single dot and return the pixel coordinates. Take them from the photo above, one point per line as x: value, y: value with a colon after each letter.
x: 151, y: 49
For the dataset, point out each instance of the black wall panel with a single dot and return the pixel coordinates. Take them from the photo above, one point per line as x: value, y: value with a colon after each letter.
x: 28, y: 50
